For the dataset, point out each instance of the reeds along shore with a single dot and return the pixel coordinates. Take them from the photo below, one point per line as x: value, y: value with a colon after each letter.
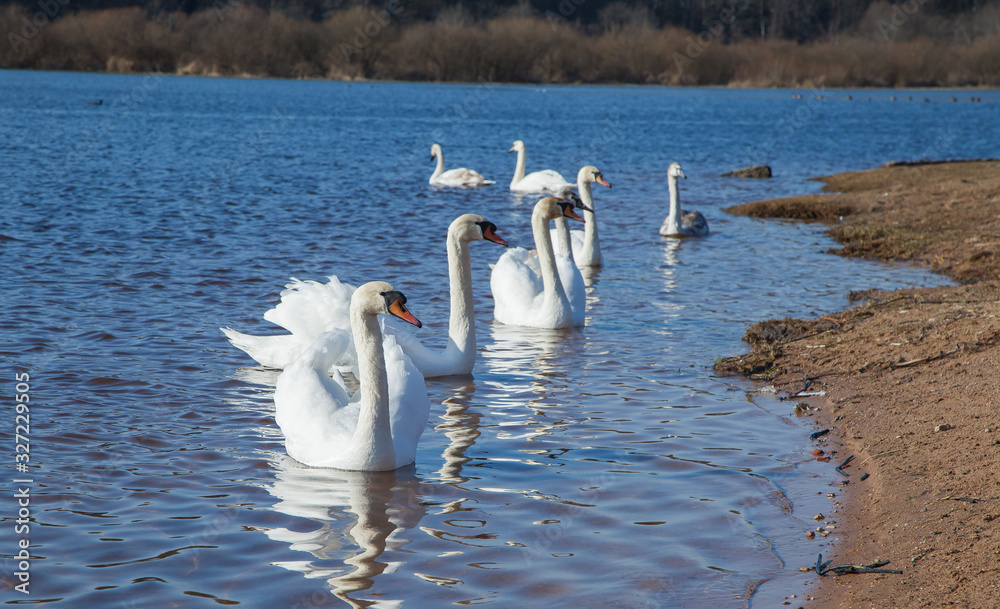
x: 364, y: 43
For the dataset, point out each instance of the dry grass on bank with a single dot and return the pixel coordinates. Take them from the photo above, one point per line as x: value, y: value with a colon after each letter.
x: 239, y: 40
x: 944, y: 215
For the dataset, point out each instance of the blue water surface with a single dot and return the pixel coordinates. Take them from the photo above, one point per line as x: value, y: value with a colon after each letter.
x: 606, y: 466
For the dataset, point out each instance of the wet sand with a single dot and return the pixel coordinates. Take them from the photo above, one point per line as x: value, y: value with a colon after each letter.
x: 912, y: 386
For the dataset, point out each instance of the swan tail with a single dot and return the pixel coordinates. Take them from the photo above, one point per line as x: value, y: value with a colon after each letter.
x: 270, y: 351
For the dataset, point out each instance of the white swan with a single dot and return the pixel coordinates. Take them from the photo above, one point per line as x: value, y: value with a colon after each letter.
x: 528, y: 295
x: 379, y: 430
x: 538, y: 181
x: 678, y: 221
x: 461, y: 178
x: 309, y: 308
x: 586, y: 246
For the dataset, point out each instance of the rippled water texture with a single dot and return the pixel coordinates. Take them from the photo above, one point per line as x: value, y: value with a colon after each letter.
x: 591, y: 468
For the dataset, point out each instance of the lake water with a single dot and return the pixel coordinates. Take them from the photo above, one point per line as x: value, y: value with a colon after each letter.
x: 601, y: 467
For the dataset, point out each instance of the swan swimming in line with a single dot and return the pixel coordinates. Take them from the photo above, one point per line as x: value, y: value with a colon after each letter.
x: 528, y: 295
x: 586, y: 246
x: 545, y: 180
x: 309, y: 308
x: 380, y: 428
x: 460, y: 178
x: 678, y: 221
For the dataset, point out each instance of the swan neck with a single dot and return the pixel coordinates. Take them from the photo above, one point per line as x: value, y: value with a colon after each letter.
x: 373, y: 435
x: 591, y: 244
x: 675, y: 198
x: 519, y: 169
x: 547, y: 261
x: 461, y: 325
x: 564, y: 245
x: 440, y: 167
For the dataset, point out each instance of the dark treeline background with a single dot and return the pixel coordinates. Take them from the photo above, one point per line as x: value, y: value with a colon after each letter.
x: 675, y: 42
x: 799, y: 20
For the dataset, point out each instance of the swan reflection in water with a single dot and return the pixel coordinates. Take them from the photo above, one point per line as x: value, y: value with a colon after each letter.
x: 460, y: 425
x: 669, y: 305
x: 530, y: 368
x: 354, y: 517
x: 358, y: 514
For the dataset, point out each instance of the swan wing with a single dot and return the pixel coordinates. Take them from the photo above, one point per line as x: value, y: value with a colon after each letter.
x: 429, y: 363
x: 694, y: 223
x: 546, y: 180
x: 309, y: 308
x: 314, y: 411
x: 462, y: 177
x: 576, y: 242
x: 516, y: 286
x: 409, y: 405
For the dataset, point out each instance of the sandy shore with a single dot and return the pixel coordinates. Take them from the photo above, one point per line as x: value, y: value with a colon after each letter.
x: 912, y: 386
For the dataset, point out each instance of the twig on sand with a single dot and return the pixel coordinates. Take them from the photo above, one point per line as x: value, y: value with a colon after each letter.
x: 822, y: 569
x: 844, y: 464
x: 922, y: 360
x: 819, y: 433
x: 965, y: 499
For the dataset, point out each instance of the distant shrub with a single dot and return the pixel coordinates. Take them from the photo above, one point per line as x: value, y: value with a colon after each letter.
x: 368, y: 42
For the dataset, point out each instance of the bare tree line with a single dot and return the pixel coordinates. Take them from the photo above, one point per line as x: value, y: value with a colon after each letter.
x: 890, y: 45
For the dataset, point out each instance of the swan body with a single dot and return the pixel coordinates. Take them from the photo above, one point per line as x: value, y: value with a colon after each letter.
x: 538, y: 181
x: 585, y: 244
x: 678, y: 221
x: 460, y: 178
x: 309, y: 308
x: 528, y: 290
x: 379, y: 428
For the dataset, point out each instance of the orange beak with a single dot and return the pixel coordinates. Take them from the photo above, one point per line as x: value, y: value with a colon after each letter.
x: 490, y: 235
x: 567, y: 210
x: 602, y: 181
x: 398, y: 309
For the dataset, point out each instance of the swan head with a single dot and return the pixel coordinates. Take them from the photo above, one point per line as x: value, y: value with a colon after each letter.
x: 379, y: 298
x: 591, y: 174
x: 517, y: 147
x: 472, y: 227
x: 435, y: 151
x: 551, y: 208
x: 675, y: 171
x: 571, y: 197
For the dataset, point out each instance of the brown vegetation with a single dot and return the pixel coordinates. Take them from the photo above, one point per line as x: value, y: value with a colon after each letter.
x: 360, y: 42
x: 940, y: 214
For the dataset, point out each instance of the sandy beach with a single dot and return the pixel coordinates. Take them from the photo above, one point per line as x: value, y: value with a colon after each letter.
x: 910, y: 384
